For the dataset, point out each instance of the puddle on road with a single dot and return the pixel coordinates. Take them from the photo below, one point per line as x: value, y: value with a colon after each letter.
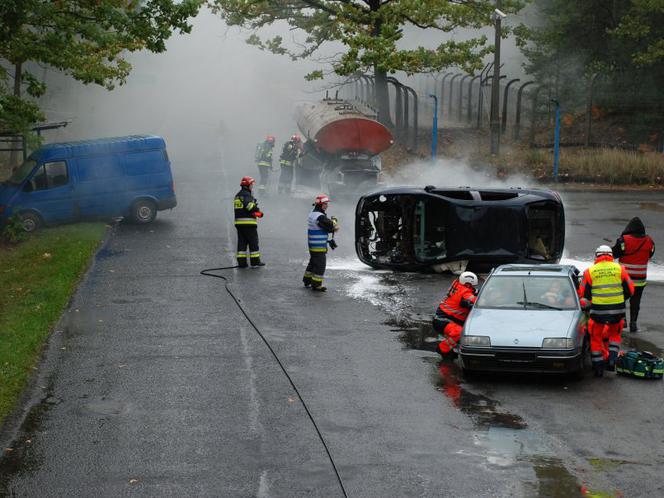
x: 652, y: 206
x: 634, y: 343
x: 21, y: 457
x: 502, y: 439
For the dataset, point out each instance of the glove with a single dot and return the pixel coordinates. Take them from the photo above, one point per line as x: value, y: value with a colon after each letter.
x: 333, y: 244
x: 334, y: 220
x: 258, y: 214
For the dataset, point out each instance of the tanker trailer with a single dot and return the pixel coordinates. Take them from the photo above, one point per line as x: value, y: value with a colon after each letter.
x: 344, y: 141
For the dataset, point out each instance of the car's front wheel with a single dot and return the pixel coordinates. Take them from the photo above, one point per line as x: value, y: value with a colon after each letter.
x: 30, y: 221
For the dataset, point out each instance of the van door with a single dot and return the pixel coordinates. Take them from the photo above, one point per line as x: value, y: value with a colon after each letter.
x: 50, y: 192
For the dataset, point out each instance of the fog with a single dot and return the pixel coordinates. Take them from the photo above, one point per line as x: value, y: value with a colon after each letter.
x: 211, y: 92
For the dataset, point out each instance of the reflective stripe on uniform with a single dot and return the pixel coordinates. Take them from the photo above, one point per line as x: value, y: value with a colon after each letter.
x: 317, y: 278
x: 614, y: 346
x: 264, y: 163
x: 595, y: 311
x: 254, y: 255
x: 246, y: 221
x: 318, y: 249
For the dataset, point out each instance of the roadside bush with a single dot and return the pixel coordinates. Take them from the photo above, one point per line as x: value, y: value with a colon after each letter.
x: 13, y: 232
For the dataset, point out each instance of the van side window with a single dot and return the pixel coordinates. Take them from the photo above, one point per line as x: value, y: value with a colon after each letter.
x: 57, y: 174
x: 50, y: 175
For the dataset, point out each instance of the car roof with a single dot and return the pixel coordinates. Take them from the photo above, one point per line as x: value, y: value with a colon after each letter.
x: 544, y: 270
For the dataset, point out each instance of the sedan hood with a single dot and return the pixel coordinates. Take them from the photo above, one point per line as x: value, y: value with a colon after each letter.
x: 520, y: 328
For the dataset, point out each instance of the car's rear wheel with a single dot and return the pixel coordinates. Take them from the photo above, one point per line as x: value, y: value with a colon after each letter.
x: 30, y: 221
x: 143, y: 211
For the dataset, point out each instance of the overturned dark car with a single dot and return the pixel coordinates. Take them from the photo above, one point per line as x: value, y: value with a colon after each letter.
x: 440, y: 228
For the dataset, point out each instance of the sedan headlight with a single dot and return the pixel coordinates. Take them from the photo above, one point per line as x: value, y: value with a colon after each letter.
x: 557, y: 343
x: 475, y: 340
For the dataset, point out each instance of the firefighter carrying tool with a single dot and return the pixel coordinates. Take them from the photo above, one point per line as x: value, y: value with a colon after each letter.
x: 289, y: 155
x: 319, y: 226
x: 246, y: 212
x: 607, y: 286
x: 264, y: 161
x: 452, y: 312
x: 634, y: 248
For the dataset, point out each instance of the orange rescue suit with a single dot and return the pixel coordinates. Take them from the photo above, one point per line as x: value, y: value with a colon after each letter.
x: 452, y: 313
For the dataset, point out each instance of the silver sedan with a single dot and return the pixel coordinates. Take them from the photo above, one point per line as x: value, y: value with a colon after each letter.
x: 527, y: 318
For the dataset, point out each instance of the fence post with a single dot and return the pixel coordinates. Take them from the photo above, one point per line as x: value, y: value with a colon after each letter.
x: 434, y: 131
x: 449, y: 102
x: 442, y: 91
x: 460, y: 110
x: 517, y: 123
x: 503, y: 125
x: 556, y: 140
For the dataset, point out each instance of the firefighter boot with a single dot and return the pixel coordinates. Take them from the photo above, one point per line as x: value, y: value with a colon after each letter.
x: 611, y: 366
x: 598, y: 368
x: 633, y: 327
x: 318, y: 288
x: 306, y: 281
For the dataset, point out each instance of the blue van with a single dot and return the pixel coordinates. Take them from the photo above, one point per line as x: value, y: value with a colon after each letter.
x: 91, y: 179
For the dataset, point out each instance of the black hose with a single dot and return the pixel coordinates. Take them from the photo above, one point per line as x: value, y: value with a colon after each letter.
x: 207, y: 273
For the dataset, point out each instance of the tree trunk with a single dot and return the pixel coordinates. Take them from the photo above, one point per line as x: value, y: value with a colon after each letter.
x: 382, y: 97
x: 18, y: 71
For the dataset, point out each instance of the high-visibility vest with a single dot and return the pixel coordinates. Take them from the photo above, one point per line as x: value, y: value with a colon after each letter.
x: 451, y: 305
x: 607, y: 290
x: 636, y: 253
x: 316, y: 236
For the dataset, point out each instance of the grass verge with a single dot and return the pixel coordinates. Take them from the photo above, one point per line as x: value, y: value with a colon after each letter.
x: 37, y: 278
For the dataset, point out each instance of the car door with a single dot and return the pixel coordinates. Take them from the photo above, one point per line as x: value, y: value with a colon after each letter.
x: 50, y: 192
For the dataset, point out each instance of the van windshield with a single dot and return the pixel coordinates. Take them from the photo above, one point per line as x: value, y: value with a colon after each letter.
x: 22, y: 172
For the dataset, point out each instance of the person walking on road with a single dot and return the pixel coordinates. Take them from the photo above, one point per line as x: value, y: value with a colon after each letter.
x: 319, y: 226
x: 290, y: 153
x: 607, y: 286
x: 264, y: 161
x: 633, y: 249
x: 452, y: 312
x: 246, y: 224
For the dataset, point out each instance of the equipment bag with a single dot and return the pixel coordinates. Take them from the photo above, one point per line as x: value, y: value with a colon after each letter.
x: 640, y: 364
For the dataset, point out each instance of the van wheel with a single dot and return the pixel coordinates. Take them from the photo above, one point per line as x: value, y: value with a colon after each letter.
x: 30, y: 221
x: 143, y: 212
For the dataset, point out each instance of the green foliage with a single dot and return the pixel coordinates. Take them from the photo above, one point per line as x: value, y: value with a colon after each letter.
x: 12, y: 231
x: 86, y: 39
x: 370, y: 30
x: 620, y: 44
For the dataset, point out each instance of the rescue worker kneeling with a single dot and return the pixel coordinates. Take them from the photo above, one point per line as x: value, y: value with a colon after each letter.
x: 318, y: 228
x: 453, y: 311
x: 607, y: 286
x: 246, y: 212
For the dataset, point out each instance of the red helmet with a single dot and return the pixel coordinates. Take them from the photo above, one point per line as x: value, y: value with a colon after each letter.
x: 321, y: 199
x: 295, y: 138
x: 270, y: 139
x: 247, y: 181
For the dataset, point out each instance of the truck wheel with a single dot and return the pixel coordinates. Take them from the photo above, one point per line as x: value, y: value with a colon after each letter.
x: 30, y: 221
x: 143, y: 212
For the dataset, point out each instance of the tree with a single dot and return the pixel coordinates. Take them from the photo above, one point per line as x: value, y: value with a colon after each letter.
x: 86, y: 39
x: 619, y: 44
x: 370, y: 31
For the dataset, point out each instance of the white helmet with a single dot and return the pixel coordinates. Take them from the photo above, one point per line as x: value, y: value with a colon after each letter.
x: 468, y: 277
x: 603, y: 249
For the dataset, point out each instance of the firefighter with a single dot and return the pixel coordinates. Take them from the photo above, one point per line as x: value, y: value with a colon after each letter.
x: 290, y: 153
x: 246, y: 213
x: 634, y: 248
x: 607, y: 286
x: 452, y: 312
x: 318, y: 228
x: 264, y: 161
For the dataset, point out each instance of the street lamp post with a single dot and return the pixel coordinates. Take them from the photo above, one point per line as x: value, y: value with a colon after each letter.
x: 495, y: 87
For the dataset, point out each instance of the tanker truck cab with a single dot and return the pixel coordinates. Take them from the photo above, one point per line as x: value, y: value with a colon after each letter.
x: 93, y: 179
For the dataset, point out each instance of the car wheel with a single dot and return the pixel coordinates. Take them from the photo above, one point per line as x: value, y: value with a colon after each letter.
x: 585, y: 361
x: 30, y: 221
x: 143, y: 212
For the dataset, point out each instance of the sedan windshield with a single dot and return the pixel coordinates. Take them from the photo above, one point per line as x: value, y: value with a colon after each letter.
x: 22, y: 172
x: 528, y: 292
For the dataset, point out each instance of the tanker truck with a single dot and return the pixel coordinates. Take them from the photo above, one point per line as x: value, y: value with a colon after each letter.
x: 343, y: 145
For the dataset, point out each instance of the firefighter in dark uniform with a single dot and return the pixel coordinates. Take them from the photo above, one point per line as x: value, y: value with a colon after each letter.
x: 289, y: 155
x: 319, y: 227
x: 452, y: 312
x: 246, y: 213
x: 634, y: 248
x: 264, y: 161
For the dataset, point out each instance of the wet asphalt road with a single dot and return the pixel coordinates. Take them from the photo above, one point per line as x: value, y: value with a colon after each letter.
x: 156, y: 385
